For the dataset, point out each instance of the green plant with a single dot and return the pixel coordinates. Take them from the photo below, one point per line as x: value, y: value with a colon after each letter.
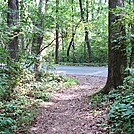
x: 121, y: 112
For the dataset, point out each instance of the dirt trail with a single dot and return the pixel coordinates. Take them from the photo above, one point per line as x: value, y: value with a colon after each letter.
x: 69, y: 111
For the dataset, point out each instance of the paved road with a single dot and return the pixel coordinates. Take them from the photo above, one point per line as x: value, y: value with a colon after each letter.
x: 82, y: 70
x: 79, y: 70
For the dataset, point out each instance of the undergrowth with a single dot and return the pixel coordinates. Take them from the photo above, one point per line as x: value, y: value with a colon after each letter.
x: 20, y: 95
x: 119, y: 105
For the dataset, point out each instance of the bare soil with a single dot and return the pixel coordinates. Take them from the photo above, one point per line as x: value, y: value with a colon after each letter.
x: 69, y: 110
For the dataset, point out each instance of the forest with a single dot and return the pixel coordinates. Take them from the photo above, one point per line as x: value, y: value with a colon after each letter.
x: 43, y: 33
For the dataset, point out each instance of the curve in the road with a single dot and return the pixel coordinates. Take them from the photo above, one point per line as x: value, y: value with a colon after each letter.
x: 82, y: 70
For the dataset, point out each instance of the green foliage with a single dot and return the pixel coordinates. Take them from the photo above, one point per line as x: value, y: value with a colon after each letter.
x: 21, y: 93
x: 10, y: 76
x: 98, y: 101
x: 120, y: 106
x: 121, y: 112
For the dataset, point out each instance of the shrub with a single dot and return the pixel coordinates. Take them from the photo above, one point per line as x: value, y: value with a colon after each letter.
x: 121, y: 112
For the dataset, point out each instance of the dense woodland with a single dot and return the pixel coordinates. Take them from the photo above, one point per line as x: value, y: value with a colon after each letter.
x: 34, y: 33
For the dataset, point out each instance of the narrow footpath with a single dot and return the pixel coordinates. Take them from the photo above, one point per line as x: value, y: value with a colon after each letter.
x: 69, y: 110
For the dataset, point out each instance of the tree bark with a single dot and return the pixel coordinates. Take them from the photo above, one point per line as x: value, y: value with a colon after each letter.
x: 63, y: 47
x: 12, y: 19
x: 86, y: 35
x: 87, y: 43
x: 132, y: 47
x: 70, y: 44
x: 72, y: 40
x: 73, y: 35
x: 38, y: 38
x: 131, y: 41
x: 57, y: 35
x: 117, y: 57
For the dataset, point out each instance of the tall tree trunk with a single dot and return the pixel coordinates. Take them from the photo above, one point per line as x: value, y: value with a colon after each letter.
x: 57, y: 34
x: 131, y: 40
x: 70, y: 44
x: 117, y: 57
x: 21, y: 19
x: 12, y: 19
x: 38, y: 38
x: 87, y: 43
x: 73, y: 35
x: 86, y: 35
x: 63, y: 47
x: 132, y: 46
x: 81, y: 10
x: 92, y: 9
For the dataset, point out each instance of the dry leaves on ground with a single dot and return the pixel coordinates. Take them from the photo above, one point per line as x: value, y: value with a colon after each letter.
x: 69, y: 110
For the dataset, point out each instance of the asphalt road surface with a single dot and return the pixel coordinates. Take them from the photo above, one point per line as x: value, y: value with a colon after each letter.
x: 82, y: 70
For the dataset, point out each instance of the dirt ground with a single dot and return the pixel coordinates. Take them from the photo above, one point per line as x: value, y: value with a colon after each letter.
x: 69, y: 110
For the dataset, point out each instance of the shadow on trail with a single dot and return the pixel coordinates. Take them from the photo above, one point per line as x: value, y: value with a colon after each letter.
x: 69, y: 112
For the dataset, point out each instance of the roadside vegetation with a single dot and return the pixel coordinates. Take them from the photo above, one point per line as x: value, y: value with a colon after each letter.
x: 21, y: 94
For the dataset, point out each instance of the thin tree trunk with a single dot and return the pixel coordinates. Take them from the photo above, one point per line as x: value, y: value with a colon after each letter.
x: 132, y: 47
x: 12, y: 19
x: 57, y: 35
x: 81, y: 10
x: 63, y: 47
x: 132, y: 41
x: 70, y: 44
x: 72, y: 39
x: 21, y: 18
x: 92, y: 4
x: 86, y: 30
x: 86, y: 35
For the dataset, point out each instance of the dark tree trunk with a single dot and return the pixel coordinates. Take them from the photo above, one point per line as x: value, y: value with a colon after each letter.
x: 72, y: 39
x: 132, y: 41
x: 92, y: 9
x: 132, y: 47
x: 81, y: 10
x: 57, y: 35
x: 12, y: 19
x: 86, y: 35
x: 87, y: 43
x: 57, y: 45
x: 117, y: 58
x: 63, y: 47
x: 70, y: 44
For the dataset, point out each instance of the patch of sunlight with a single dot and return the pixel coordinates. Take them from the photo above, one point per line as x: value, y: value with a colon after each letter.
x: 46, y: 104
x: 34, y: 128
x: 59, y: 96
x: 84, y: 87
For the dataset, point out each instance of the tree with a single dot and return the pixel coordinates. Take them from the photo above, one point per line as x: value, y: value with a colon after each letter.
x: 57, y: 34
x: 38, y: 37
x: 71, y: 43
x: 12, y: 19
x: 86, y: 34
x: 87, y: 43
x: 131, y: 25
x: 117, y: 57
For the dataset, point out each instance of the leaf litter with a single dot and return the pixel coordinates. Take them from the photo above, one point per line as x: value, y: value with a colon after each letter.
x: 69, y: 111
